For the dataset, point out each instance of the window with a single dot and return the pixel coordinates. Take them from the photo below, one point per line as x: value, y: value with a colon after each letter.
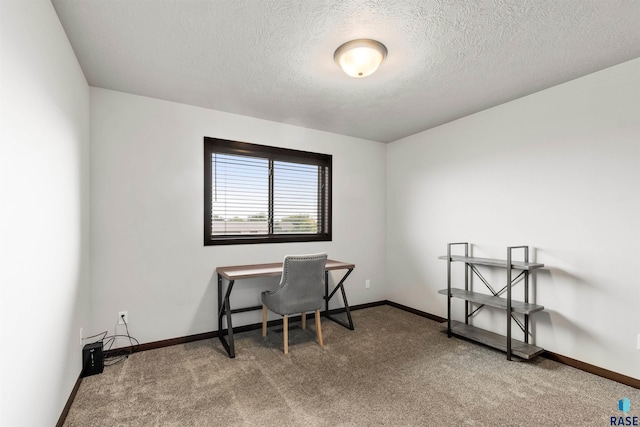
x: 260, y: 194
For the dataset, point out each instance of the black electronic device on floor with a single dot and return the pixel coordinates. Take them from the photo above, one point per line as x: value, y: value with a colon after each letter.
x: 92, y: 359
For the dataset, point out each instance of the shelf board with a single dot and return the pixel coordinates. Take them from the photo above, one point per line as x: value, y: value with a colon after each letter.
x: 490, y: 300
x: 519, y: 265
x: 499, y: 342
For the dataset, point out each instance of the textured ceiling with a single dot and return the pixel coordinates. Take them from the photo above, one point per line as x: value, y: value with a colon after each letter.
x: 273, y: 59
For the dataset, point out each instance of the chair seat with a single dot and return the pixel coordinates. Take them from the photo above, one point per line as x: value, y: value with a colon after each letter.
x: 282, y: 306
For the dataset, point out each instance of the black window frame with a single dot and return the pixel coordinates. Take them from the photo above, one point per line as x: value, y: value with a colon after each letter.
x: 217, y: 145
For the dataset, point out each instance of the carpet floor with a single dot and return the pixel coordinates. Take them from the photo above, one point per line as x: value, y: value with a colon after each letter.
x: 394, y: 369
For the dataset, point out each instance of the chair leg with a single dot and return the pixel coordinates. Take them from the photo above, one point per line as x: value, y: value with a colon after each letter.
x: 264, y: 320
x: 304, y: 320
x: 285, y: 331
x: 318, y: 328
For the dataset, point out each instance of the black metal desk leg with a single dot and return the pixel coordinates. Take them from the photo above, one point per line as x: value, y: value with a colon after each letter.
x: 225, y: 309
x: 326, y: 291
x: 346, y: 306
x: 340, y: 286
x: 220, y: 305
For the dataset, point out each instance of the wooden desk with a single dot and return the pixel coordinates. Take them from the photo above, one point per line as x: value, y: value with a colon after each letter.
x: 237, y: 272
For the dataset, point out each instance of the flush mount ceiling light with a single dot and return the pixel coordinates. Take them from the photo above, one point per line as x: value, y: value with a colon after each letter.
x: 360, y: 58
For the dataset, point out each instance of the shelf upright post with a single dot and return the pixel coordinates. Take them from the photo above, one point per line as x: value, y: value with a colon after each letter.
x: 526, y: 295
x: 449, y: 290
x: 466, y: 283
x: 509, y: 303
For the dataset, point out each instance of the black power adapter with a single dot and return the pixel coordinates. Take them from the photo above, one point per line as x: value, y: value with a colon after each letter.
x: 92, y: 359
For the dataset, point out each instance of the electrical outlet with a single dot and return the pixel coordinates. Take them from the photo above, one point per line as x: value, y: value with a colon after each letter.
x: 126, y: 317
x: 81, y: 339
x: 367, y: 284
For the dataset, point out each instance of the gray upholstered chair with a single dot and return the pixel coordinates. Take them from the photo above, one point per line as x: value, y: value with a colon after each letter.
x: 301, y: 290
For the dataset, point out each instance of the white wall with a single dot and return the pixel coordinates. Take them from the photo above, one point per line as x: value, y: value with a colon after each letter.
x: 44, y: 214
x: 147, y: 246
x: 558, y: 171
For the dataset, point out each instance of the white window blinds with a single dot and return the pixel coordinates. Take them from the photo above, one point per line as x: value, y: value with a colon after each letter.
x: 240, y: 197
x: 295, y: 198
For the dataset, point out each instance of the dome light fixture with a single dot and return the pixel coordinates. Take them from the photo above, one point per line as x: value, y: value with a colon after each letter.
x: 361, y: 57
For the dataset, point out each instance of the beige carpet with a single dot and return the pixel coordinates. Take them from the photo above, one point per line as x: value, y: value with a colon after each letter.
x: 395, y: 369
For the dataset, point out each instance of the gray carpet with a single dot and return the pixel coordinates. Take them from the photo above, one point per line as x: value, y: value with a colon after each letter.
x: 395, y: 369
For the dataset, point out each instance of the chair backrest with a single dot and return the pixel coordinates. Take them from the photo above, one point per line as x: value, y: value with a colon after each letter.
x: 302, y: 283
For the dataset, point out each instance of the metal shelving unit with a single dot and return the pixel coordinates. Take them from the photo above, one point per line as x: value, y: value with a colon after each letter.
x: 512, y: 307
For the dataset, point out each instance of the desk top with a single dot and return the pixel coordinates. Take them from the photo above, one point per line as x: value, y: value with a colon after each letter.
x: 235, y: 272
